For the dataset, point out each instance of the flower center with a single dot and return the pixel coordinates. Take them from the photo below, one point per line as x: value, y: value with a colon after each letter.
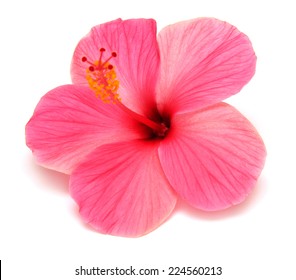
x: 102, y: 79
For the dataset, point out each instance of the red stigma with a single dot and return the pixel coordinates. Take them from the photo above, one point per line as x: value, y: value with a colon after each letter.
x: 100, y: 64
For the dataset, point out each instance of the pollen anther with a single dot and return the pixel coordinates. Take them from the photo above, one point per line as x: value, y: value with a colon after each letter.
x: 102, y: 79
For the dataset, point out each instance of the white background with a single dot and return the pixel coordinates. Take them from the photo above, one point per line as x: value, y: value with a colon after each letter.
x: 41, y: 234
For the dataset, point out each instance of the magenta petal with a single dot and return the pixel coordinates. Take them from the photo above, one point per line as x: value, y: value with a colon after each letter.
x: 69, y: 122
x: 203, y: 61
x: 121, y: 189
x: 212, y: 158
x: 136, y: 63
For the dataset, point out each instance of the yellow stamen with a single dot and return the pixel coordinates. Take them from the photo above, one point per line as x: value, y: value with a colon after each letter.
x: 101, y: 77
x: 103, y: 81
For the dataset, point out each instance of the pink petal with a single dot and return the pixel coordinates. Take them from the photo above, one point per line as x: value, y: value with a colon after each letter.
x: 203, y: 61
x: 69, y: 122
x: 136, y: 64
x: 212, y: 158
x: 121, y: 189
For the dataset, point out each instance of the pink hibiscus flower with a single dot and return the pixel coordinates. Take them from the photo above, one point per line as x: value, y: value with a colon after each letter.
x: 143, y: 123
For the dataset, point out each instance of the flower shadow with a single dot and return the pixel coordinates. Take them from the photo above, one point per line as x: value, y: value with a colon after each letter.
x: 184, y: 208
x: 43, y: 177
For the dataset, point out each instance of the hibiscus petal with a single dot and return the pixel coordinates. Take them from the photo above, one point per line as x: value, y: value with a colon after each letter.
x: 213, y: 157
x: 70, y: 121
x: 203, y: 61
x: 136, y: 64
x: 121, y: 189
